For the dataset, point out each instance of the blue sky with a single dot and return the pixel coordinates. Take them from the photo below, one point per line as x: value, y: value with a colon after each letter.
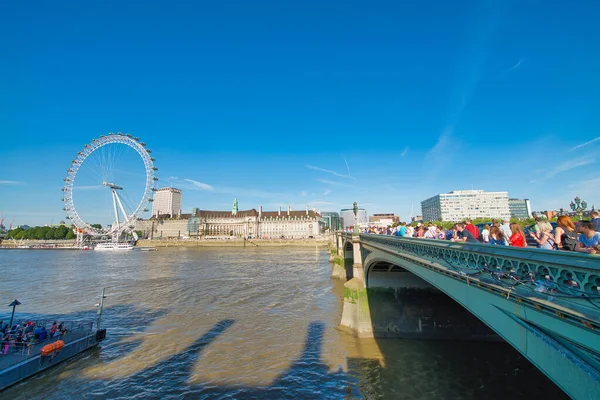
x: 305, y: 103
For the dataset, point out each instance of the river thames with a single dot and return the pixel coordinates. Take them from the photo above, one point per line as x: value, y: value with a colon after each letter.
x: 235, y: 323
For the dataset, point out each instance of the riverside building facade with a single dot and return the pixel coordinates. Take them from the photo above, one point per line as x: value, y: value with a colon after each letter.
x: 255, y: 224
x: 461, y: 204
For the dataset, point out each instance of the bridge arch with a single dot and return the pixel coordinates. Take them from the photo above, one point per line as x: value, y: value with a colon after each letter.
x: 384, y: 273
x: 348, y: 254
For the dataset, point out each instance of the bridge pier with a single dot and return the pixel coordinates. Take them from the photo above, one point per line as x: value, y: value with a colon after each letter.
x: 357, y: 267
x: 340, y: 245
x: 356, y: 314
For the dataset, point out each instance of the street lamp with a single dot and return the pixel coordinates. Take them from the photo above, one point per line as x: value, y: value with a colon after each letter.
x: 355, y: 209
x: 578, y: 206
x: 14, y: 305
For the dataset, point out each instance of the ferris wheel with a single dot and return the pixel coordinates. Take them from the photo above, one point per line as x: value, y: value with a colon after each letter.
x: 108, y: 182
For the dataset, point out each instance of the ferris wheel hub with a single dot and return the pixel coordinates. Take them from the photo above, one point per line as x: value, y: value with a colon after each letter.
x: 112, y: 185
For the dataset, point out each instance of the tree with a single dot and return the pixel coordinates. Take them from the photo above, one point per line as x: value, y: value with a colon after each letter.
x: 97, y: 226
x: 70, y: 234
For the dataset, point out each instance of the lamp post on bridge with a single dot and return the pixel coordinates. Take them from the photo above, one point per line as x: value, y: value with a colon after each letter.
x: 14, y: 305
x: 355, y: 209
x: 578, y: 206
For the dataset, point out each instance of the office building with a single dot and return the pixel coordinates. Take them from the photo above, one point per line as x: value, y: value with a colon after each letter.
x: 519, y: 208
x: 332, y: 220
x: 384, y: 219
x: 167, y: 201
x: 347, y: 216
x: 461, y: 204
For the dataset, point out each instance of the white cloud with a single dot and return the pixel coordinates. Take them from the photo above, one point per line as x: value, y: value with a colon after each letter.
x: 334, y: 183
x: 10, y: 183
x: 199, y: 185
x: 569, y: 165
x: 514, y: 67
x: 589, y: 182
x: 328, y: 191
x: 585, y: 144
x: 330, y: 171
x: 404, y: 152
x: 303, y: 193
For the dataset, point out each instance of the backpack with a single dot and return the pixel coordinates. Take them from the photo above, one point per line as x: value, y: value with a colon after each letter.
x: 569, y: 240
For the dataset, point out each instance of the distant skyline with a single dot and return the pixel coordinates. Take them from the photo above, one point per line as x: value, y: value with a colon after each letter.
x: 310, y: 103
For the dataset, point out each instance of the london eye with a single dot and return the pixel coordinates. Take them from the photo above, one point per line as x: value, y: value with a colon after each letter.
x: 112, y: 180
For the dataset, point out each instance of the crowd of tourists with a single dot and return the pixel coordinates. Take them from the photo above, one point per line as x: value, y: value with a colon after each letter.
x: 25, y: 334
x: 583, y: 236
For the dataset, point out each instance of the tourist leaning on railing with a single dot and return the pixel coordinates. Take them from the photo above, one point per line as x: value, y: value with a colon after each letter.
x: 517, y: 238
x: 496, y: 236
x: 543, y: 236
x: 565, y: 234
x: 589, y: 239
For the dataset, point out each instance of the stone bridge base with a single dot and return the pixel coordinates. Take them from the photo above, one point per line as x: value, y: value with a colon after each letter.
x: 356, y: 315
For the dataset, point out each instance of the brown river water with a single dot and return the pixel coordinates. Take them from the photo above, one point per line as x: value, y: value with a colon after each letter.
x: 235, y: 323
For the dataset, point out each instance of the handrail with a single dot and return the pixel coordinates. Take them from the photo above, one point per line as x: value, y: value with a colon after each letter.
x: 575, y: 273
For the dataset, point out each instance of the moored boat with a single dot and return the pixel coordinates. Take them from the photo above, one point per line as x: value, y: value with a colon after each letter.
x: 21, y: 359
x: 113, y: 246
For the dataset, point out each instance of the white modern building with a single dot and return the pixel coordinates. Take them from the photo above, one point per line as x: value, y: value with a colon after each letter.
x: 520, y: 208
x: 167, y: 201
x: 347, y: 217
x: 460, y: 204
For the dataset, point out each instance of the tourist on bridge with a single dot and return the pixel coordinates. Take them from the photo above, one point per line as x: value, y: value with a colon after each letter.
x: 543, y: 236
x: 473, y: 230
x: 506, y: 232
x: 463, y: 235
x: 589, y: 239
x: 485, y: 234
x: 596, y: 220
x: 517, y: 238
x: 565, y: 234
x: 496, y: 236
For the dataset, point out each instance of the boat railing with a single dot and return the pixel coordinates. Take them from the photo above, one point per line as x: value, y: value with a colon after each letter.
x: 13, y: 352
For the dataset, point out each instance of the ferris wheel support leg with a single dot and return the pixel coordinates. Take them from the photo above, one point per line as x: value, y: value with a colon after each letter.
x: 114, y: 195
x: 125, y: 217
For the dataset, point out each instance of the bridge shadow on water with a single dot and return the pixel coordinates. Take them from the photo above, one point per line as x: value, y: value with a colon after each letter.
x: 433, y: 348
x: 410, y: 369
x: 308, y: 377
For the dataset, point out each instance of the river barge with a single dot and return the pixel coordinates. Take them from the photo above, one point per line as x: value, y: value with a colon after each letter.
x: 19, y: 360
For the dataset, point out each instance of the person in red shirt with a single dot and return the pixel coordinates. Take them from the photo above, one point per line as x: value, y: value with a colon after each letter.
x: 517, y: 238
x: 473, y: 230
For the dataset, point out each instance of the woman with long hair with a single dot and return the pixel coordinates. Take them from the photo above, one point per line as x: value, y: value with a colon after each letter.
x: 496, y: 236
x: 543, y: 235
x: 565, y: 234
x: 517, y: 238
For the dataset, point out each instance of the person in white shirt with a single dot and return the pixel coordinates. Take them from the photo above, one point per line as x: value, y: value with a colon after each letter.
x: 485, y: 233
x: 506, y: 232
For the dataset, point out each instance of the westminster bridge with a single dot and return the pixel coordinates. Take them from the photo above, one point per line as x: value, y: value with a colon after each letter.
x: 546, y: 304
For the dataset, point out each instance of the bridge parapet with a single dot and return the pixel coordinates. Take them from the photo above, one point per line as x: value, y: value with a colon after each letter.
x: 571, y: 273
